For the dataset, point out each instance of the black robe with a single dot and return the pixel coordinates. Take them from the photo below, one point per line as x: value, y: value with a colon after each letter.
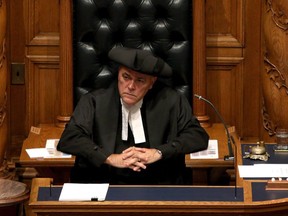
x: 170, y: 127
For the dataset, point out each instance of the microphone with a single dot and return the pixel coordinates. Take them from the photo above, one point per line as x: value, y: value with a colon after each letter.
x: 230, y: 156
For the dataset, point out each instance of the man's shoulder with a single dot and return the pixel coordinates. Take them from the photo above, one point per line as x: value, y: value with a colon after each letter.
x: 165, y: 94
x: 162, y: 89
x: 98, y: 95
x: 102, y: 91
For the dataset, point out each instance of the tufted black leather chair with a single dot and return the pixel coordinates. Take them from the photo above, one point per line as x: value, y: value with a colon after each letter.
x: 162, y: 26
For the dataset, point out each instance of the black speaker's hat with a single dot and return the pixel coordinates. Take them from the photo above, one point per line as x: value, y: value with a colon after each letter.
x: 141, y: 61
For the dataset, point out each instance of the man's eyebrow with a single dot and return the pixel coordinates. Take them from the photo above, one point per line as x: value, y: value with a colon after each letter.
x: 125, y: 73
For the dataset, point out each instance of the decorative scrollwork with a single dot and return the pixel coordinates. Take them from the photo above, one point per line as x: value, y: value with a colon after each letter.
x: 2, y: 53
x: 275, y: 75
x: 278, y: 16
x: 3, y: 110
x: 268, y: 124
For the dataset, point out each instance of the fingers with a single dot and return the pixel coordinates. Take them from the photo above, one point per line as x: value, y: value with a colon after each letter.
x: 128, y: 153
x: 134, y: 149
x: 128, y: 150
x: 135, y: 152
x: 116, y: 160
x: 142, y: 150
x: 135, y: 164
x: 140, y: 164
x: 134, y: 158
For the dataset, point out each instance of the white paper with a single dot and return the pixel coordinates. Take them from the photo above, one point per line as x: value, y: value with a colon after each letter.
x: 83, y: 192
x: 263, y: 171
x: 210, y: 153
x: 51, y: 143
x: 37, y: 152
x: 46, y: 153
x: 49, y: 151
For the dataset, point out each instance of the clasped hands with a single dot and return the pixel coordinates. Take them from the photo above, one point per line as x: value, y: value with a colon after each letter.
x: 134, y: 158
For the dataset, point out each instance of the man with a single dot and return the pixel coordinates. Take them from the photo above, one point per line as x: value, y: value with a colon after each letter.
x: 137, y: 131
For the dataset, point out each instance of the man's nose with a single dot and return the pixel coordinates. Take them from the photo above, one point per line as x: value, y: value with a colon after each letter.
x: 131, y: 85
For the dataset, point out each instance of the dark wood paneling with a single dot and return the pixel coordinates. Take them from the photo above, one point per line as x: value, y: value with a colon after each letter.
x: 225, y: 56
x: 33, y: 40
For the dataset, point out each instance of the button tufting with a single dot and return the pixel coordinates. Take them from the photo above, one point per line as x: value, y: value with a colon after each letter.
x: 162, y: 26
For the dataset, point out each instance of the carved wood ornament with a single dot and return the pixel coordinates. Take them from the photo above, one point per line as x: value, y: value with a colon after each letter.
x: 3, y: 104
x: 2, y: 45
x: 274, y: 79
x: 278, y: 15
x: 3, y: 110
x: 3, y: 92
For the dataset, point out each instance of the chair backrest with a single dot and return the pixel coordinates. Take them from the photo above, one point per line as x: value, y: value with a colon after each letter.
x: 161, y: 26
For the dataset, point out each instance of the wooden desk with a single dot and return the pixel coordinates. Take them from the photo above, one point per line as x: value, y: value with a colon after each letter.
x: 246, y: 206
x: 59, y: 169
x: 274, y: 157
x: 56, y: 168
x: 201, y: 166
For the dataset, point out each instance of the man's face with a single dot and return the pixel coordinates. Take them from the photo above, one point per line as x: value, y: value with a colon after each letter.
x: 133, y: 85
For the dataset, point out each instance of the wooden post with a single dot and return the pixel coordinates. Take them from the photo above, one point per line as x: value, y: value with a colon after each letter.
x: 66, y: 63
x: 199, y: 61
